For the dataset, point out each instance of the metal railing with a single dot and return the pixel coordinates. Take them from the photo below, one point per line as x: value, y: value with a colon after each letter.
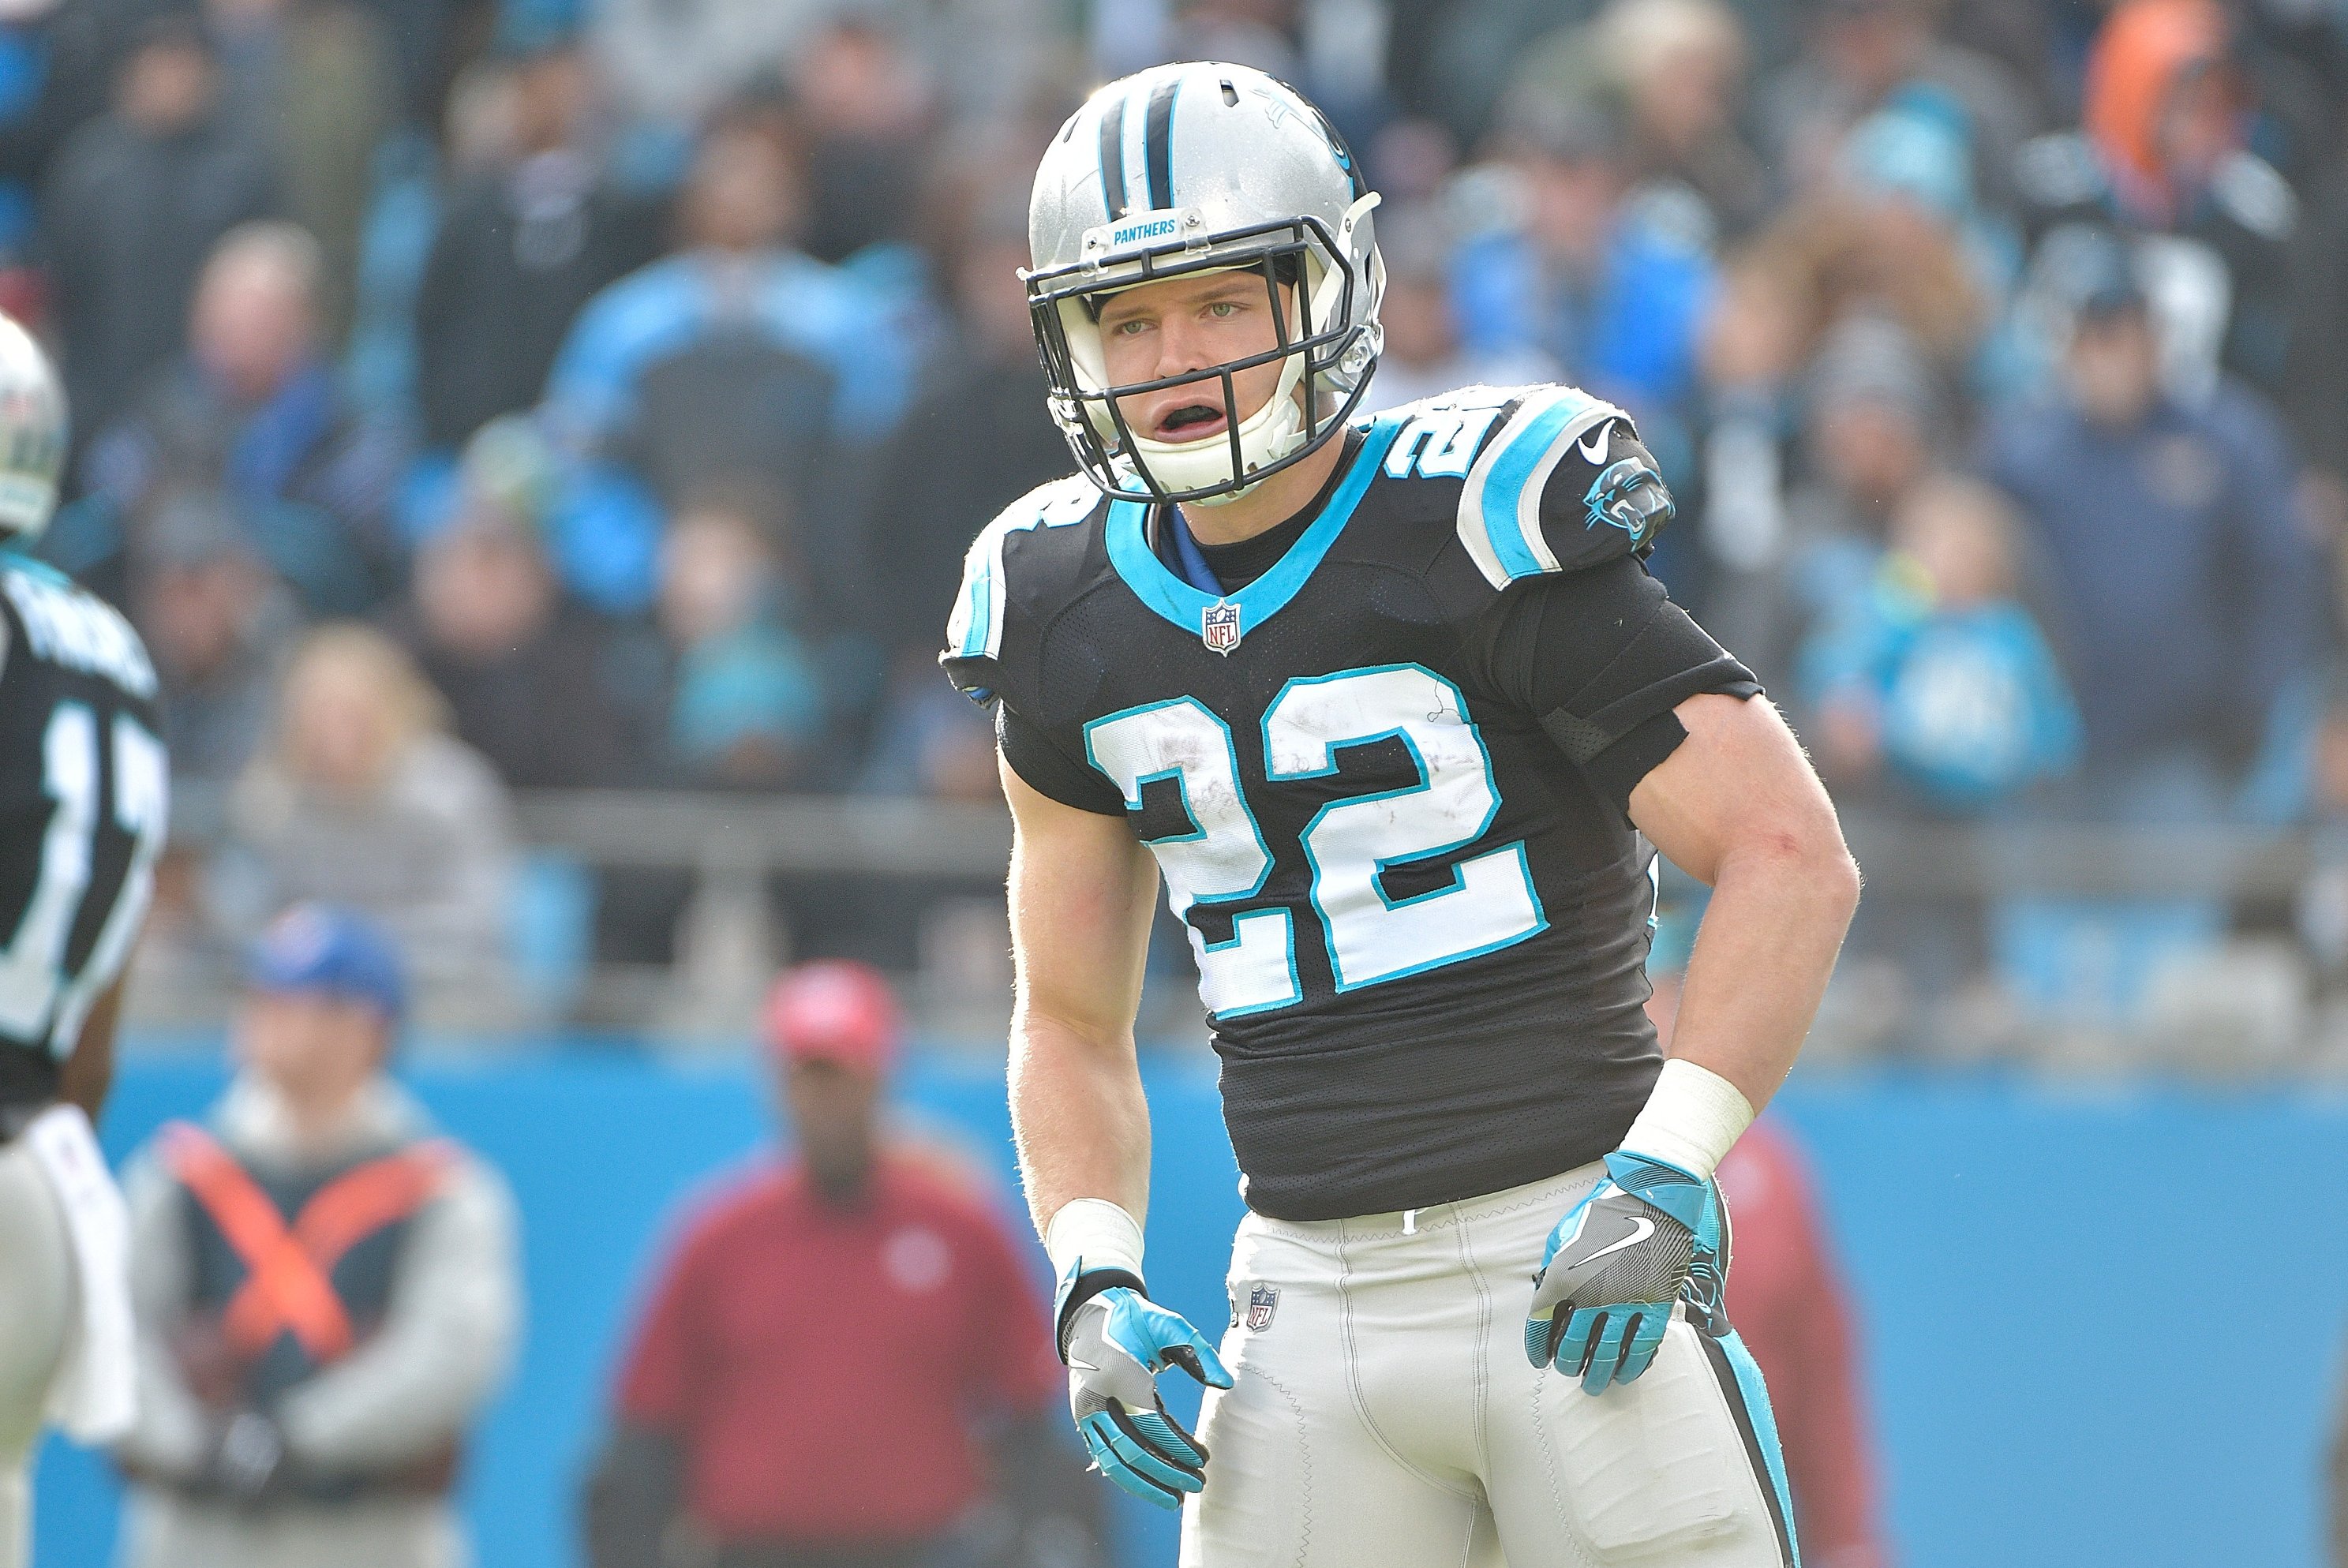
x: 758, y: 835
x: 950, y: 855
x: 738, y: 834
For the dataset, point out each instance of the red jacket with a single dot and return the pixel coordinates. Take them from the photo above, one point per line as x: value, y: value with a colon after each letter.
x: 820, y: 1365
x: 1788, y: 1302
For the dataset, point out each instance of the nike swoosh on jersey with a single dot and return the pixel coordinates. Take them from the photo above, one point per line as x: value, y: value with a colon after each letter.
x: 1596, y: 454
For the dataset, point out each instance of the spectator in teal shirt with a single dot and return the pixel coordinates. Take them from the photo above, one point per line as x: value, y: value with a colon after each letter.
x: 1936, y: 675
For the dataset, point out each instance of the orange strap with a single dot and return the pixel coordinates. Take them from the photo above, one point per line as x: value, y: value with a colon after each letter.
x: 289, y: 1271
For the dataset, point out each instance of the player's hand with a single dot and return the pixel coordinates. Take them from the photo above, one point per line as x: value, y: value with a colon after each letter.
x: 1615, y: 1264
x: 1116, y: 1343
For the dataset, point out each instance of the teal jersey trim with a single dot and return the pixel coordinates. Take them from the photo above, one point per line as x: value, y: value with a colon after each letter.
x: 1259, y: 601
x: 13, y: 557
x: 981, y: 635
x: 1764, y: 1419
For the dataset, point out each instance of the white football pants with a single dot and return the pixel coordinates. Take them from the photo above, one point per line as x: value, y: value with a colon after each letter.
x: 36, y: 1304
x: 1385, y: 1416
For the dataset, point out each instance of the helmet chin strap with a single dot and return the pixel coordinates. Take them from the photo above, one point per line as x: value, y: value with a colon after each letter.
x: 1267, y: 436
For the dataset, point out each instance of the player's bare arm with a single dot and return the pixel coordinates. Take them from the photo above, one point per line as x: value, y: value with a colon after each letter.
x: 1738, y: 808
x: 1735, y: 805
x: 1082, y: 893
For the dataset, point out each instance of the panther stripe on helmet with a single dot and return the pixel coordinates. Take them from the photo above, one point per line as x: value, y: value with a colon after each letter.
x: 1158, y: 143
x: 1112, y: 159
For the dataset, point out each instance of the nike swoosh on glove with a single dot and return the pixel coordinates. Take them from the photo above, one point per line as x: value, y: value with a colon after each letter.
x: 1116, y: 1343
x: 1615, y: 1264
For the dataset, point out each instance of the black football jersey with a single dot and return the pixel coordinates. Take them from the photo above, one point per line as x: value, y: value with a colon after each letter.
x: 84, y: 802
x: 1421, y: 921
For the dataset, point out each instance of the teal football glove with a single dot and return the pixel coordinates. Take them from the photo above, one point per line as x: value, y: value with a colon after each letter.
x: 1116, y: 1341
x: 1648, y: 1234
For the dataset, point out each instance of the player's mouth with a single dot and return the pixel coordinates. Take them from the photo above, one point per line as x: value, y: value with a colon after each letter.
x: 1189, y: 422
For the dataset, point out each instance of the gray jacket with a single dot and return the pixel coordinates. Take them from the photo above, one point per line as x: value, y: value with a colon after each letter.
x: 447, y: 1337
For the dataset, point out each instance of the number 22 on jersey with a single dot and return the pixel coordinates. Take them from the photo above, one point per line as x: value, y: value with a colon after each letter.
x: 1350, y: 843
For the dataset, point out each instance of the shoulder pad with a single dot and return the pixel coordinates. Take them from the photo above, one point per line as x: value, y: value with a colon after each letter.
x: 66, y: 624
x: 2252, y: 194
x: 976, y: 628
x: 1499, y: 518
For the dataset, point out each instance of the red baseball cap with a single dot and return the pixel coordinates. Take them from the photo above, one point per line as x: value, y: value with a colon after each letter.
x: 837, y: 1011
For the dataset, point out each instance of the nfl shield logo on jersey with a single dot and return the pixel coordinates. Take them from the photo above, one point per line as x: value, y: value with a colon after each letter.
x: 1219, y: 624
x: 1262, y: 1301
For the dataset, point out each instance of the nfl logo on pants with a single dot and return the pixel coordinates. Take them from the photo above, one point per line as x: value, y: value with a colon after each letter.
x: 1218, y: 625
x: 1262, y: 1302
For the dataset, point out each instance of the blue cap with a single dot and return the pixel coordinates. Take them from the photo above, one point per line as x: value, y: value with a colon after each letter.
x: 322, y: 949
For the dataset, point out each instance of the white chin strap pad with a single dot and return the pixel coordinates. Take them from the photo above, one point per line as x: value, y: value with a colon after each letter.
x: 1267, y: 436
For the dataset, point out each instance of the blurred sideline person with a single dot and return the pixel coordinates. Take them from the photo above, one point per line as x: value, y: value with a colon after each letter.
x: 2336, y: 1485
x: 1788, y: 1298
x: 83, y: 803
x: 829, y: 1342
x: 327, y: 1289
x: 1397, y: 712
x: 1790, y: 1303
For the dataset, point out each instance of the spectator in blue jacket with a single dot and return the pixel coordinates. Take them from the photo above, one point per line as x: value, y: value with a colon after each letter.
x: 130, y: 208
x: 254, y: 416
x: 1609, y: 282
x: 2187, y: 591
x: 737, y: 355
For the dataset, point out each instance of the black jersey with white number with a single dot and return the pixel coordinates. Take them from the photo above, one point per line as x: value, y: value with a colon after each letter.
x: 83, y: 800
x: 1383, y: 783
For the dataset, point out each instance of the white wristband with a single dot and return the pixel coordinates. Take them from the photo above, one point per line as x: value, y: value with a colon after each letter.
x: 1691, y: 1119
x: 1096, y: 1231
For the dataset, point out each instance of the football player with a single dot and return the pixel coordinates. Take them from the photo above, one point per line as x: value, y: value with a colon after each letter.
x: 83, y: 807
x: 1395, y: 711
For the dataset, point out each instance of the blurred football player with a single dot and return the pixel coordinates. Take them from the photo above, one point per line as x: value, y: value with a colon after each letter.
x: 1397, y: 711
x: 83, y: 804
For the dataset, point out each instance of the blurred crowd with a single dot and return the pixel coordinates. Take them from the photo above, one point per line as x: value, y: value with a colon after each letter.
x: 480, y: 395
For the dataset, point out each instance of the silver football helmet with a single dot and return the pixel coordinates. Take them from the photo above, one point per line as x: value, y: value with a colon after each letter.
x: 1189, y: 169
x: 32, y: 434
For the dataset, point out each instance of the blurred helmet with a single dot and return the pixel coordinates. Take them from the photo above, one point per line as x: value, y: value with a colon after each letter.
x: 32, y: 434
x: 1198, y: 167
